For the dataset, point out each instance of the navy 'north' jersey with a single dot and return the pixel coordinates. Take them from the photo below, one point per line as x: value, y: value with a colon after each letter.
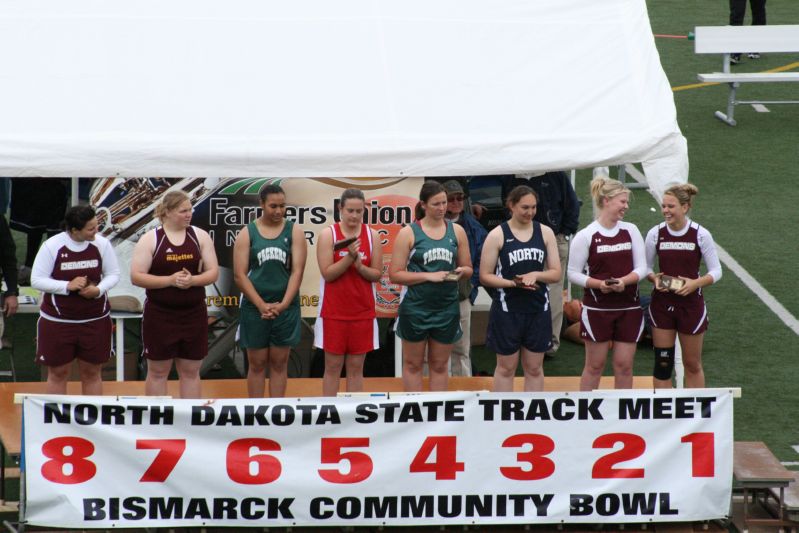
x: 518, y: 258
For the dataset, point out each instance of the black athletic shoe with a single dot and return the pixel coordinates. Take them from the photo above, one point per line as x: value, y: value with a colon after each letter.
x: 735, y: 59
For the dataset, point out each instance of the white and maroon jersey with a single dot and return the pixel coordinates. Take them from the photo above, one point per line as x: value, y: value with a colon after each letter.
x: 603, y: 253
x: 350, y: 296
x: 681, y: 253
x: 59, y: 261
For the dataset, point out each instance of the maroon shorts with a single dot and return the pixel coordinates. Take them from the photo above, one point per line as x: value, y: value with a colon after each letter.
x: 343, y: 337
x: 622, y: 326
x: 688, y: 318
x: 174, y: 333
x: 59, y: 343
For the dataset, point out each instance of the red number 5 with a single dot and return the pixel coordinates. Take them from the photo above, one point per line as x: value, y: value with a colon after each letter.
x: 360, y: 464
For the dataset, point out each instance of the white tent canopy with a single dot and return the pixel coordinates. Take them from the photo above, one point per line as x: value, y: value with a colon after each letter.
x: 332, y: 88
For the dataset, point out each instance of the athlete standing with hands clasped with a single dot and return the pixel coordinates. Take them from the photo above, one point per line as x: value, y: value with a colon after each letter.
x: 174, y: 262
x: 350, y: 259
x: 75, y: 270
x: 429, y: 257
x: 519, y: 258
x: 607, y: 258
x: 268, y: 262
x: 678, y: 304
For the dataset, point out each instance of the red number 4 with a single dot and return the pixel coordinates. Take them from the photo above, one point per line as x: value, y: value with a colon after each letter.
x: 446, y: 465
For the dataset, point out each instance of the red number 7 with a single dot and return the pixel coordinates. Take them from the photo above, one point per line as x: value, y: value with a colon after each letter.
x: 170, y: 452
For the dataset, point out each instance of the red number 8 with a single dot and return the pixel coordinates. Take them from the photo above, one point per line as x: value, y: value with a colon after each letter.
x: 82, y: 469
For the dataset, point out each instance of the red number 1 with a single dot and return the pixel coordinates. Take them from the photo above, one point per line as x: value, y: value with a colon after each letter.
x: 703, y: 453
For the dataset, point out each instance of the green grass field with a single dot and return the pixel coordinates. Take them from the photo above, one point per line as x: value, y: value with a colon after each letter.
x: 747, y: 177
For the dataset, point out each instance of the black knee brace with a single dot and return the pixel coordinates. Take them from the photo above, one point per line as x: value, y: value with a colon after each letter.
x: 664, y: 363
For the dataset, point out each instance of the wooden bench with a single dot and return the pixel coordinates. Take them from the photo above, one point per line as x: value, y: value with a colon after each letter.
x: 728, y: 40
x: 790, y: 499
x: 759, y: 475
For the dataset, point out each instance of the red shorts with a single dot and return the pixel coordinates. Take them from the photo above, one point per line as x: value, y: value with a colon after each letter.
x: 622, y: 326
x: 59, y: 343
x: 175, y: 333
x: 343, y: 337
x: 687, y: 318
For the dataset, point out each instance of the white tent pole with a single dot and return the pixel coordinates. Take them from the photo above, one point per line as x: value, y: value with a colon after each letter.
x: 73, y: 194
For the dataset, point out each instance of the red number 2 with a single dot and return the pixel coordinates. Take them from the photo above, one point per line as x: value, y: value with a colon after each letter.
x: 633, y: 446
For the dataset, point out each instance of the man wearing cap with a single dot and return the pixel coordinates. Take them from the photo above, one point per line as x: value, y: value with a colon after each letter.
x: 460, y: 360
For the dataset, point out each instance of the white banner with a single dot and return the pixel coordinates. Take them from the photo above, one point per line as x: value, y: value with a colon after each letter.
x: 457, y: 458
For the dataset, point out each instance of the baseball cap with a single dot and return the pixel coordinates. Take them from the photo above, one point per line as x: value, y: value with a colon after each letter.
x: 452, y: 187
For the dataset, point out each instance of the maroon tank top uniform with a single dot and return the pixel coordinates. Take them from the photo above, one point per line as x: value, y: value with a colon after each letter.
x: 168, y: 259
x: 73, y: 307
x: 679, y: 256
x: 611, y: 257
x: 175, y: 322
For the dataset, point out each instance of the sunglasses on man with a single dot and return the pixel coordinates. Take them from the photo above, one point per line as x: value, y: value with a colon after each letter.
x: 457, y: 197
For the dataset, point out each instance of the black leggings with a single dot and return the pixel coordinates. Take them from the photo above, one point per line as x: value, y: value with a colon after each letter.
x: 34, y: 240
x: 738, y: 10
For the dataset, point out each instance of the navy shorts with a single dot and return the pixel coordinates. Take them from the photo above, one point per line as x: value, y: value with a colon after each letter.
x: 509, y: 332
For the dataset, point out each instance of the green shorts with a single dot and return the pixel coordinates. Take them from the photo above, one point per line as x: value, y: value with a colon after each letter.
x: 255, y: 332
x: 441, y: 326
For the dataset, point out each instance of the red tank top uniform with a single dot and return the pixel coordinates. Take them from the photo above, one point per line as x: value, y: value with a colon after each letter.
x: 72, y: 307
x: 350, y: 296
x: 679, y: 256
x: 168, y: 259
